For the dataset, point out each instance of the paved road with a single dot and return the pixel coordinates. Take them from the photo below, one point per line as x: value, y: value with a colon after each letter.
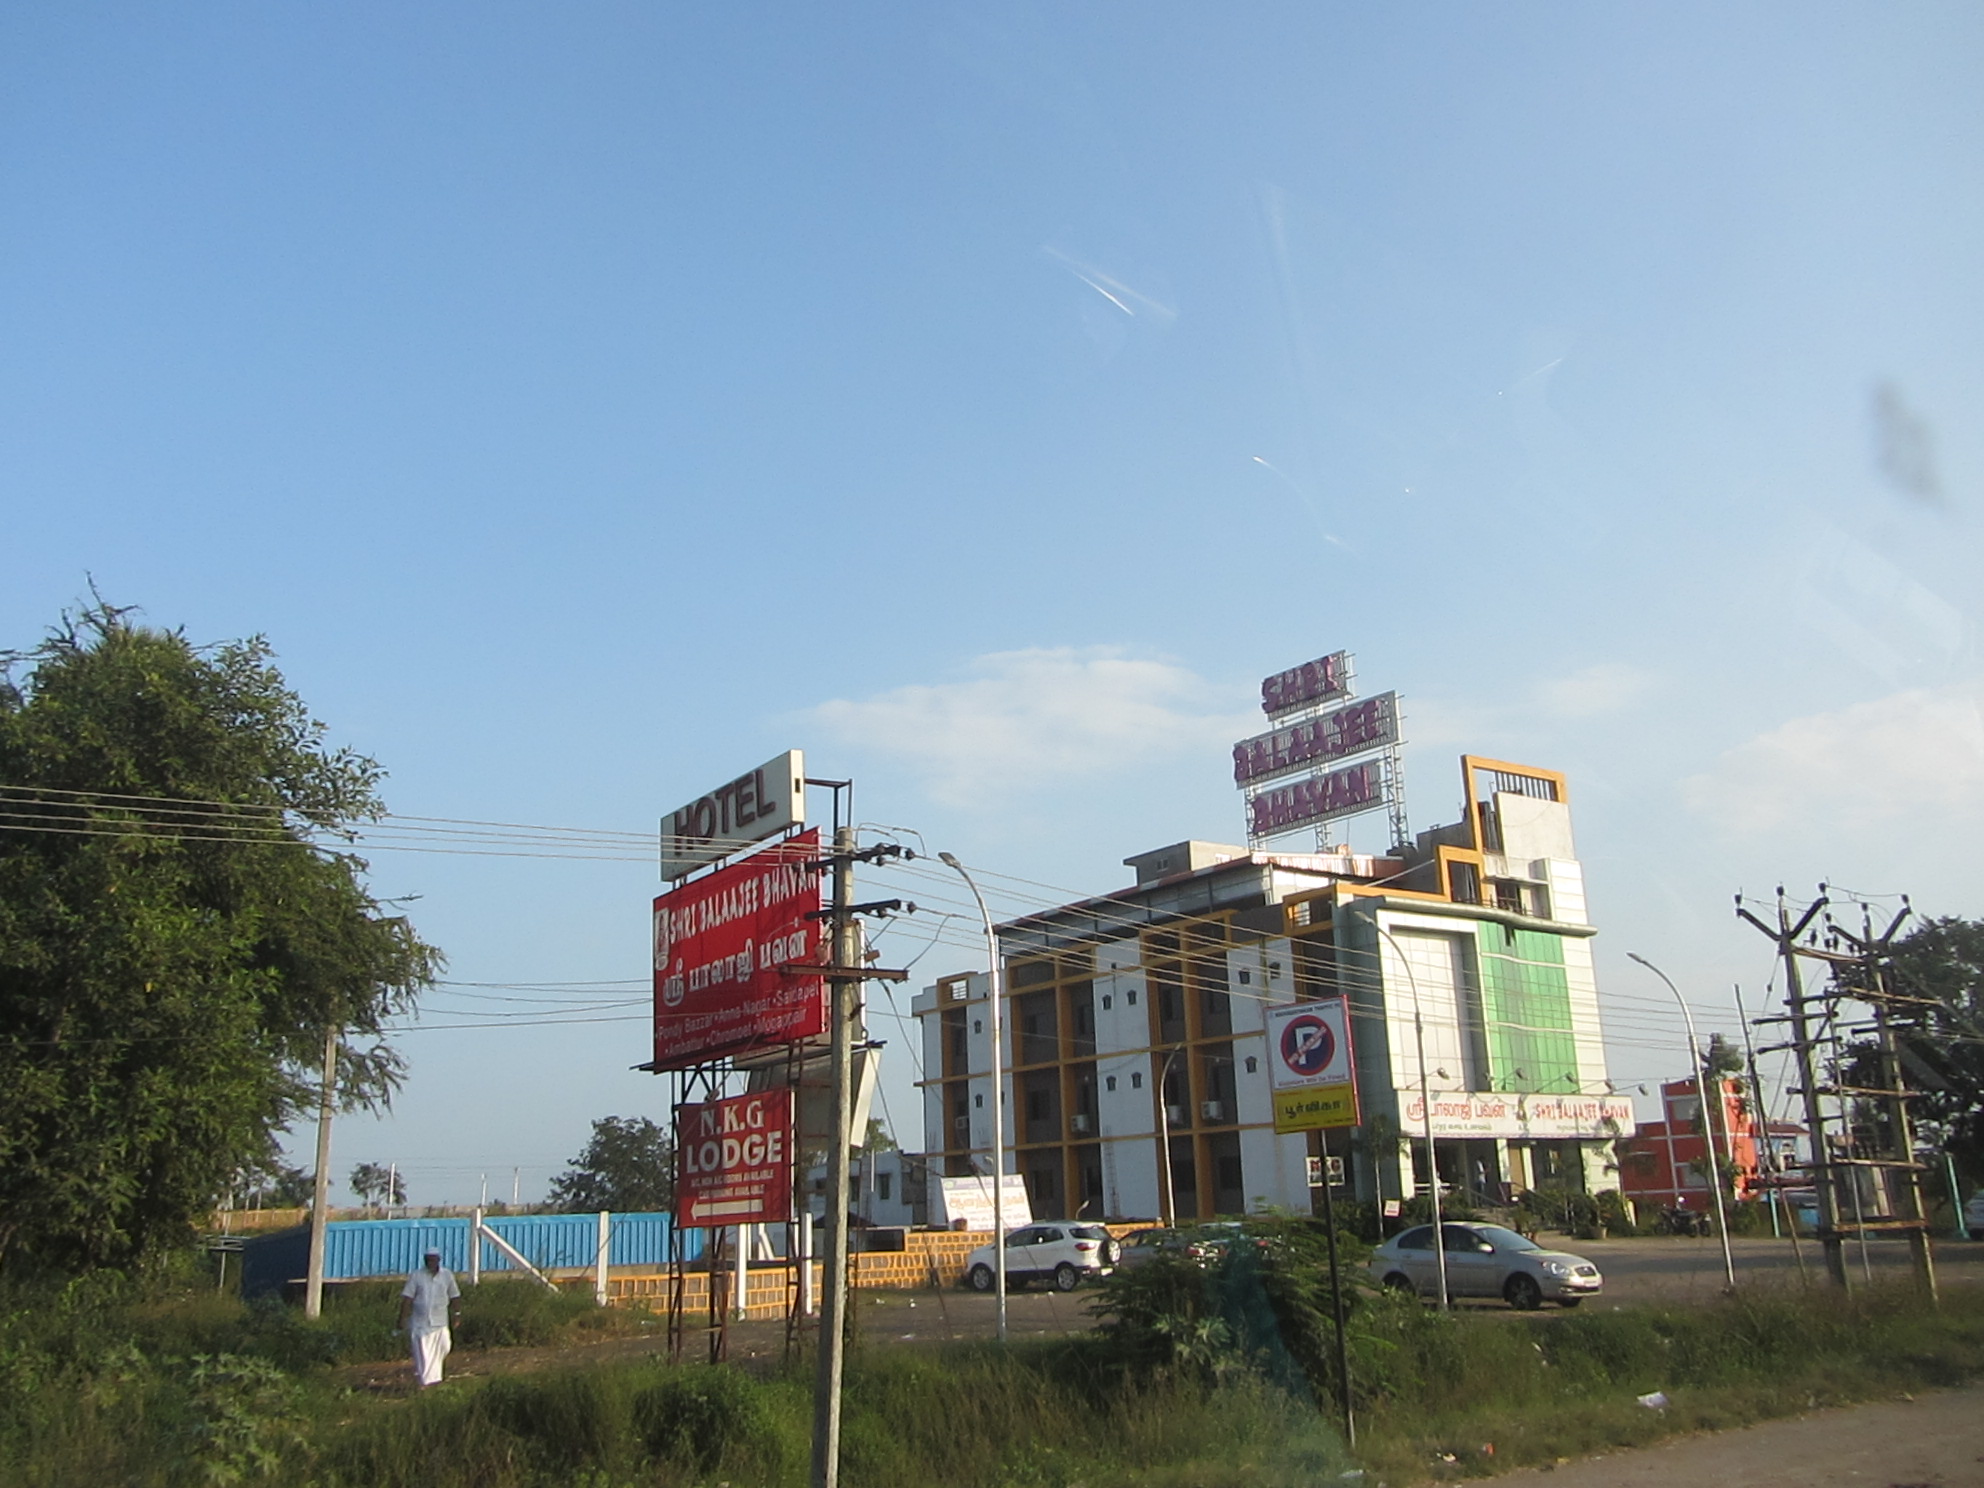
x: 1668, y: 1268
x: 1933, y: 1441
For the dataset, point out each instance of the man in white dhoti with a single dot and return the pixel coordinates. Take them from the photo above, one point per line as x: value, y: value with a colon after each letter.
x: 430, y: 1304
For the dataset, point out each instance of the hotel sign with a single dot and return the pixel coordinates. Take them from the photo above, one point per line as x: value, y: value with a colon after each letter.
x: 1335, y: 735
x: 738, y: 957
x: 734, y: 1160
x: 758, y: 804
x: 1587, y: 1118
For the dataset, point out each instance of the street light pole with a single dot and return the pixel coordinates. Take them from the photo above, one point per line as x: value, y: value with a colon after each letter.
x: 1167, y: 1200
x: 1425, y: 1109
x: 998, y: 1102
x: 1708, y: 1128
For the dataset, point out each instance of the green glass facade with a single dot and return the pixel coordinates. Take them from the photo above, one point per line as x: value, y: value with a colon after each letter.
x: 1526, y: 1011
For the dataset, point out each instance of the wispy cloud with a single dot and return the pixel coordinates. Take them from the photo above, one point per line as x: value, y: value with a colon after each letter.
x: 1609, y: 687
x: 1038, y: 717
x: 1919, y: 751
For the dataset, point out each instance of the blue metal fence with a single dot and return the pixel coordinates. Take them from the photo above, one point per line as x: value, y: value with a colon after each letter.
x: 355, y: 1248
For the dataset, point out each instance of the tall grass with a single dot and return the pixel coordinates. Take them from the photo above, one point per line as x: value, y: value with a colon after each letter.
x: 103, y: 1382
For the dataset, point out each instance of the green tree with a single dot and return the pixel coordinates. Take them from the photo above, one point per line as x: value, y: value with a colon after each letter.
x: 376, y: 1185
x: 628, y: 1166
x: 176, y: 941
x: 1941, y: 1038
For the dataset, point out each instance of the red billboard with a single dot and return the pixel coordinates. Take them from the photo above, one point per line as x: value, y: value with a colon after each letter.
x: 733, y: 1160
x: 725, y: 949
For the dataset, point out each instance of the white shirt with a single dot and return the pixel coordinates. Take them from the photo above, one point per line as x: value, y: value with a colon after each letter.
x: 431, y: 1296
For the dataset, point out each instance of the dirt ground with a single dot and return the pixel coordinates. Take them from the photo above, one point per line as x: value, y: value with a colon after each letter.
x: 1935, y: 1440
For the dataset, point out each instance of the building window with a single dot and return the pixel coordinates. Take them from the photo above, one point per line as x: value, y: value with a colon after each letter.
x: 1136, y: 1082
x: 978, y: 1025
x: 1246, y: 977
x: 1107, y: 1002
x: 1109, y: 1083
x: 978, y: 1101
x: 1131, y: 997
x: 882, y: 1186
x: 1253, y: 1065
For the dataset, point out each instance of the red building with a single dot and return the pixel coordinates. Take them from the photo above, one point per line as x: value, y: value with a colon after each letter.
x: 1665, y: 1164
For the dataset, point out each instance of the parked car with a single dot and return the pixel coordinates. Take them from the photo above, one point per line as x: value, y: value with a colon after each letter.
x: 1973, y: 1215
x: 1064, y: 1254
x: 1485, y: 1260
x: 1146, y: 1246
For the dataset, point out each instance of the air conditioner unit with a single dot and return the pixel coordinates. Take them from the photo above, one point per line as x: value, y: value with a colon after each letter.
x: 1175, y: 1115
x: 961, y: 1125
x: 1080, y: 1124
x: 1213, y: 1110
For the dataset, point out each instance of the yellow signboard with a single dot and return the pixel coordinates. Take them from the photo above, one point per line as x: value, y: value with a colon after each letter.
x: 1312, y: 1107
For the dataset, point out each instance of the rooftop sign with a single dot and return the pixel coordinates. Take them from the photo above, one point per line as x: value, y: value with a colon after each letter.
x: 1320, y: 798
x: 1351, y: 729
x: 758, y: 804
x: 1324, y: 680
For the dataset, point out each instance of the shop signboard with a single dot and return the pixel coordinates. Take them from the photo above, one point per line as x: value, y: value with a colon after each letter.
x: 758, y: 804
x: 966, y: 1203
x: 733, y: 1160
x: 1312, y: 1078
x: 1587, y: 1118
x: 737, y: 957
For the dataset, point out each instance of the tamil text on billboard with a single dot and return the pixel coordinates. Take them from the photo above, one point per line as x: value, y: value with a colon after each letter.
x: 737, y: 956
x: 1320, y: 798
x: 758, y: 804
x: 1312, y: 1078
x: 733, y: 1160
x: 1494, y: 1114
x: 1337, y: 734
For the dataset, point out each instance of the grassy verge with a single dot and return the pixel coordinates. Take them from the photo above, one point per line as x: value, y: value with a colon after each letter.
x: 1460, y: 1396
x: 100, y: 1383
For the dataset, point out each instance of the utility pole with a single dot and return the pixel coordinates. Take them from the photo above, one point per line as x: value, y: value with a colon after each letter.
x: 1831, y: 1237
x: 320, y: 1198
x: 833, y: 1302
x: 1901, y: 1160
x: 845, y: 975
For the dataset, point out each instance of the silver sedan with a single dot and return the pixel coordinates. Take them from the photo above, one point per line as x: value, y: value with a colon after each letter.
x: 1485, y: 1260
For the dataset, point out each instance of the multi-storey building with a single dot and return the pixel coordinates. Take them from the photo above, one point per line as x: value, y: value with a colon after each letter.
x: 1135, y: 1052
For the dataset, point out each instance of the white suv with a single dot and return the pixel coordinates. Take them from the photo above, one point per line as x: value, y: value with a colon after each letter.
x: 1061, y: 1253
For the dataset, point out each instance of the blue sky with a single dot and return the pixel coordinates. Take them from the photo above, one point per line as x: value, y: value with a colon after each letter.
x: 590, y: 402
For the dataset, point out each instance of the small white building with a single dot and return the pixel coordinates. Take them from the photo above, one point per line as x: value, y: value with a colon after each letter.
x: 1135, y: 1023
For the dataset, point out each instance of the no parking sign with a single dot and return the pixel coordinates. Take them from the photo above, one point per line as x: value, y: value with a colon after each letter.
x: 1311, y: 1075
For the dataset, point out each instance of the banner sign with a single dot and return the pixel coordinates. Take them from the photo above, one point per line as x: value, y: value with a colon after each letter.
x: 967, y: 1201
x: 1324, y: 680
x: 1320, y: 798
x: 1589, y: 1118
x: 733, y: 1160
x: 1312, y: 1080
x: 758, y: 804
x: 723, y: 946
x: 1331, y: 736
